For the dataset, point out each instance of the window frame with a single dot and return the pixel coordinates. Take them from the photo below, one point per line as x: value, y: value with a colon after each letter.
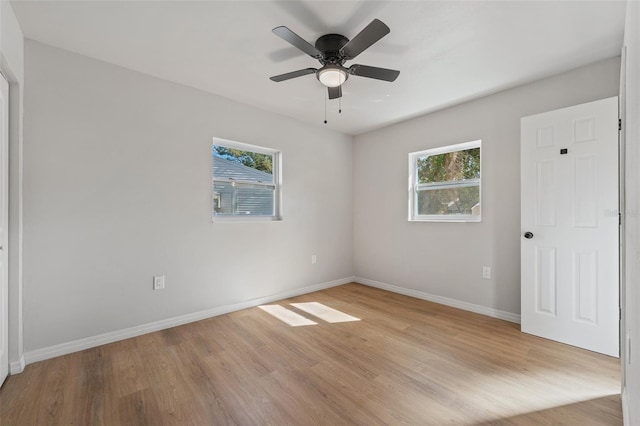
x: 277, y: 182
x: 414, y: 186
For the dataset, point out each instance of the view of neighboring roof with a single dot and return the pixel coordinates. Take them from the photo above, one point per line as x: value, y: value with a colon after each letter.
x: 229, y: 169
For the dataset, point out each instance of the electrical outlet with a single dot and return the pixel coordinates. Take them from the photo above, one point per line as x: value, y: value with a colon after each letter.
x: 158, y: 282
x: 314, y: 259
x: 486, y: 272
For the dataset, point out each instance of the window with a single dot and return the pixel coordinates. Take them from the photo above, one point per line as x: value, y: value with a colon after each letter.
x: 246, y: 181
x: 444, y: 184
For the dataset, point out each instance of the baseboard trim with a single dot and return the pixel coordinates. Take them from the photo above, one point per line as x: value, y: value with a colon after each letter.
x: 17, y: 367
x: 495, y: 313
x: 114, y: 336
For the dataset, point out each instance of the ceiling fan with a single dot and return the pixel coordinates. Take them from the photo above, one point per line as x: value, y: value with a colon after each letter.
x: 333, y: 50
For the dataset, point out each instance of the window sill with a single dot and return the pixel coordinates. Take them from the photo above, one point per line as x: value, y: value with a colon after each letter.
x: 470, y: 219
x: 244, y: 219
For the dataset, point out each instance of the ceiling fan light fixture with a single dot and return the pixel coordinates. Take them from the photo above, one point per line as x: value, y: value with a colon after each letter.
x: 332, y: 75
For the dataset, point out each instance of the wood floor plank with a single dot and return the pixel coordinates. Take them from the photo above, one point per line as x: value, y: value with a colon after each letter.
x: 406, y: 362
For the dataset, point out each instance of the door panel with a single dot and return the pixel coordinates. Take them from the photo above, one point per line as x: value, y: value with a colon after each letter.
x: 545, y: 280
x: 545, y: 193
x: 586, y: 210
x: 586, y: 286
x: 569, y: 161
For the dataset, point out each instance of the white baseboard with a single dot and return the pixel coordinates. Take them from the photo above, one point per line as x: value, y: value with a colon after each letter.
x: 17, y: 367
x: 102, y: 339
x: 495, y: 313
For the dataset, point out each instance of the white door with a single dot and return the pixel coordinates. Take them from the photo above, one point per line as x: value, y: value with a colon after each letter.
x: 569, y: 240
x: 4, y: 220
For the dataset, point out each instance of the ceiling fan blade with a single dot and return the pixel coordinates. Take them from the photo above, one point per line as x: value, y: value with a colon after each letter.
x: 373, y: 72
x: 292, y: 74
x: 365, y: 38
x: 294, y: 39
x: 335, y: 92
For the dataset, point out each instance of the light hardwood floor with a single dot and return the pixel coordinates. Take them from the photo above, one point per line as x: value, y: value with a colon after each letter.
x: 407, y: 361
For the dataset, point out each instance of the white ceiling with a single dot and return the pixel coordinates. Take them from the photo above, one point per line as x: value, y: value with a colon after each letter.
x: 447, y: 51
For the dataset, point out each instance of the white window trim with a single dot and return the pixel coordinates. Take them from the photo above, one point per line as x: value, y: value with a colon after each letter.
x: 414, y: 186
x: 277, y: 182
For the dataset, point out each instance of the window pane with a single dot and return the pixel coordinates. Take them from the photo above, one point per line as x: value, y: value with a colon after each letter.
x: 450, y: 166
x: 248, y: 166
x: 449, y: 201
x: 232, y: 198
x: 245, y: 182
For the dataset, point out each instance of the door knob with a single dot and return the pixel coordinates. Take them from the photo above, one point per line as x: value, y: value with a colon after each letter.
x: 528, y: 235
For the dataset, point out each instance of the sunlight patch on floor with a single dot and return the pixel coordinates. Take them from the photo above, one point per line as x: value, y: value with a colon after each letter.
x: 287, y: 316
x: 481, y: 389
x: 316, y: 309
x: 324, y: 312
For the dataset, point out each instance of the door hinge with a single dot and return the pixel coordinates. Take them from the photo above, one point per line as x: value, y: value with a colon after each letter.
x: 619, y: 124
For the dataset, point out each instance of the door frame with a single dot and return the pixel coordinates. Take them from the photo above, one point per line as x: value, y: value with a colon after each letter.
x: 622, y: 212
x: 4, y: 220
x: 14, y: 77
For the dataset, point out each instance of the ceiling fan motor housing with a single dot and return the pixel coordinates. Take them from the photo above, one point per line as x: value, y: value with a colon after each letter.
x: 330, y: 45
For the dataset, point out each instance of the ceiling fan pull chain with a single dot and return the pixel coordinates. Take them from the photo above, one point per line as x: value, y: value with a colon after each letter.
x: 325, y: 106
x: 340, y: 105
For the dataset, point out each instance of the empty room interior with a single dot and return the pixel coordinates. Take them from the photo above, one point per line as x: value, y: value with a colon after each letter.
x: 319, y: 212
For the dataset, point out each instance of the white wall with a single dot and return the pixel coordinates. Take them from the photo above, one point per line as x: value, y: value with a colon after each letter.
x: 12, y: 65
x: 631, y: 119
x: 446, y: 259
x: 117, y: 188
